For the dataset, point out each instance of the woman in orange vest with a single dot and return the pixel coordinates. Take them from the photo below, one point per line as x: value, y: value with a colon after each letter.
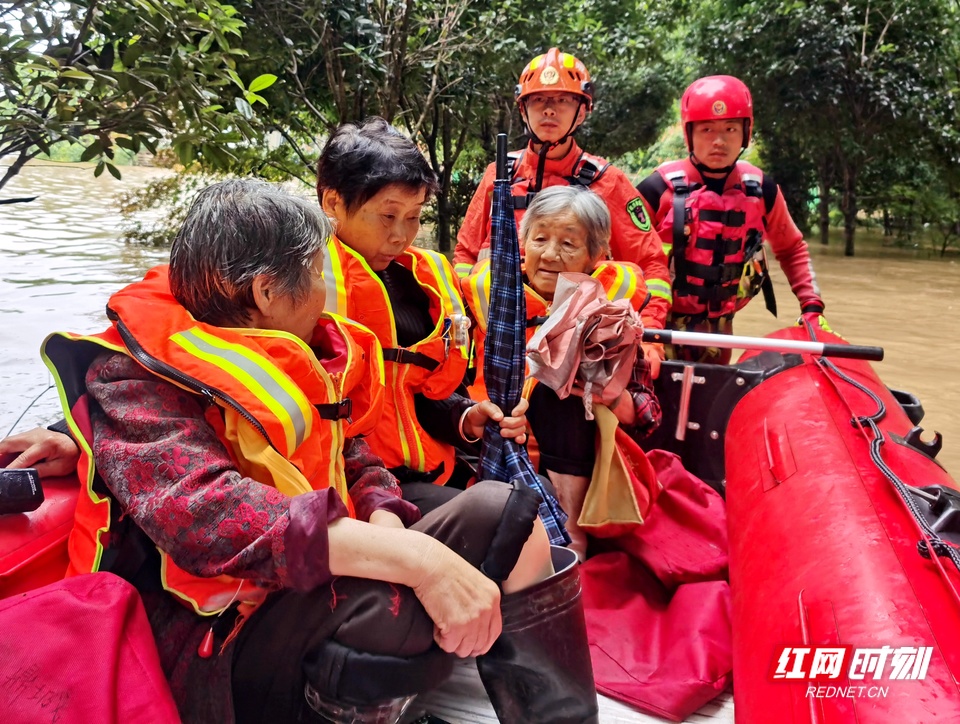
x: 567, y: 229
x: 219, y: 476
x: 373, y: 182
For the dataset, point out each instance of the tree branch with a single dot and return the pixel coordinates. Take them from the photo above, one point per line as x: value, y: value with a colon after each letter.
x: 25, y: 155
x: 84, y: 27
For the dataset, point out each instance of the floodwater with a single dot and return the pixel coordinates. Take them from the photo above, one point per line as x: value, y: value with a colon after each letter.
x: 60, y: 260
x: 909, y: 306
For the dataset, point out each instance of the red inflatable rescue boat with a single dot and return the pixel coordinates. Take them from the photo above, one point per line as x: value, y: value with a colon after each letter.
x: 33, y: 546
x: 843, y: 538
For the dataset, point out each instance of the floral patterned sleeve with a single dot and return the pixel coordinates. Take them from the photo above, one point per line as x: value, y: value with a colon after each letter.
x: 169, y: 471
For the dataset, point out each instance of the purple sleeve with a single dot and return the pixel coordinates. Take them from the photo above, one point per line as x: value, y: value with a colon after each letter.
x: 306, y: 541
x: 170, y: 472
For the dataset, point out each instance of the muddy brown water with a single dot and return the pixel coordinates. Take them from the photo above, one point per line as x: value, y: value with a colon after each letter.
x: 60, y: 258
x: 909, y: 306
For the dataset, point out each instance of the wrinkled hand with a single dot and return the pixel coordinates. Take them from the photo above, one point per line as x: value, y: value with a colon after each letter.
x: 463, y: 603
x: 52, y: 453
x: 514, y: 427
x: 653, y: 354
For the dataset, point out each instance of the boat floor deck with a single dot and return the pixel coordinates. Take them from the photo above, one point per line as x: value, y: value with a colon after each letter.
x: 462, y: 700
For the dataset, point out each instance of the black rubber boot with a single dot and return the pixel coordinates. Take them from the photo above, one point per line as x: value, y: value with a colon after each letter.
x: 539, y: 670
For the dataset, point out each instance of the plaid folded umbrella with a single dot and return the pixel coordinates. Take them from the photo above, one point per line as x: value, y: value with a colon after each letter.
x: 504, y: 363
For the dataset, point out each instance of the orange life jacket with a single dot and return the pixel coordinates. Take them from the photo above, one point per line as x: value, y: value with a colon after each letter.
x: 434, y: 367
x: 621, y: 280
x: 282, y: 416
x: 716, y: 250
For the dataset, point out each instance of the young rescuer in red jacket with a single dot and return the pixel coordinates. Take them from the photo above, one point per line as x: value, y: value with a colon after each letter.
x: 728, y: 208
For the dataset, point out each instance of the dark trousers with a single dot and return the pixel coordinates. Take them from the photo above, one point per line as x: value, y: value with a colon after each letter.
x: 566, y: 438
x: 278, y: 648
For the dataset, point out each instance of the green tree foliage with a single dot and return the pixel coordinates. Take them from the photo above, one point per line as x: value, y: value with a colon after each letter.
x: 126, y: 73
x: 445, y: 71
x: 838, y: 84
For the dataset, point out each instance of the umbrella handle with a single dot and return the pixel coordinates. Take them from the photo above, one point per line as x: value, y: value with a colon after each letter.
x: 502, y: 156
x: 731, y: 341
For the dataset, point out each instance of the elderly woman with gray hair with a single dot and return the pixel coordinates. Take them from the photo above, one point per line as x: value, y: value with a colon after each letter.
x: 218, y: 417
x: 567, y: 229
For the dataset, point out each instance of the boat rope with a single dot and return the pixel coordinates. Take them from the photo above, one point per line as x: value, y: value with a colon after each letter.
x: 28, y: 407
x: 932, y: 545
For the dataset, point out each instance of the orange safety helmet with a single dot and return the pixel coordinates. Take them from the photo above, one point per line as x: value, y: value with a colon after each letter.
x: 715, y: 98
x: 555, y: 71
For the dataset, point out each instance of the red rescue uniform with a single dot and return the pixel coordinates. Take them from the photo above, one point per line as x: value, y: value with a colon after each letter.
x: 732, y: 217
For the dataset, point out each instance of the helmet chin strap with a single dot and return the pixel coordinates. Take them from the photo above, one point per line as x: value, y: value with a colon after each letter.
x: 546, y: 146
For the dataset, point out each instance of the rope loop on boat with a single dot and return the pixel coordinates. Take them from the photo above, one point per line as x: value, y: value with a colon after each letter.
x: 932, y: 541
x: 941, y: 547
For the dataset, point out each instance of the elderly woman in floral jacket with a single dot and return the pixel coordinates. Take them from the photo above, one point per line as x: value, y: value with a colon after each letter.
x: 219, y: 413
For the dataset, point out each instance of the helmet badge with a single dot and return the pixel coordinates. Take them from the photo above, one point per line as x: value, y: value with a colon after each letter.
x: 550, y: 76
x: 719, y: 108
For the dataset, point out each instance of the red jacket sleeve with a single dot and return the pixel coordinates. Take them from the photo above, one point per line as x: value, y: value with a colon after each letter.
x: 792, y: 253
x: 474, y: 233
x: 634, y: 239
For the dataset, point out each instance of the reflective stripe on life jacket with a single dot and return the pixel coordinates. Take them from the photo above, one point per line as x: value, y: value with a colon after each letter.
x: 434, y: 367
x: 717, y: 243
x: 282, y: 415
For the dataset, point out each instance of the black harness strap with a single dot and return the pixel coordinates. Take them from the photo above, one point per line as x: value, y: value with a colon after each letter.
x: 522, y: 202
x: 342, y: 410
x: 716, y: 273
x: 587, y: 174
x: 727, y: 218
x: 729, y: 246
x: 404, y: 356
x: 769, y: 296
x: 681, y: 189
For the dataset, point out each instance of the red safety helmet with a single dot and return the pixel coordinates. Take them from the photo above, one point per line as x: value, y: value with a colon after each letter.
x: 714, y: 98
x: 555, y: 71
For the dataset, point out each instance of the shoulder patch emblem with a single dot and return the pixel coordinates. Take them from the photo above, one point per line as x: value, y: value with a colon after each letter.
x: 638, y: 213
